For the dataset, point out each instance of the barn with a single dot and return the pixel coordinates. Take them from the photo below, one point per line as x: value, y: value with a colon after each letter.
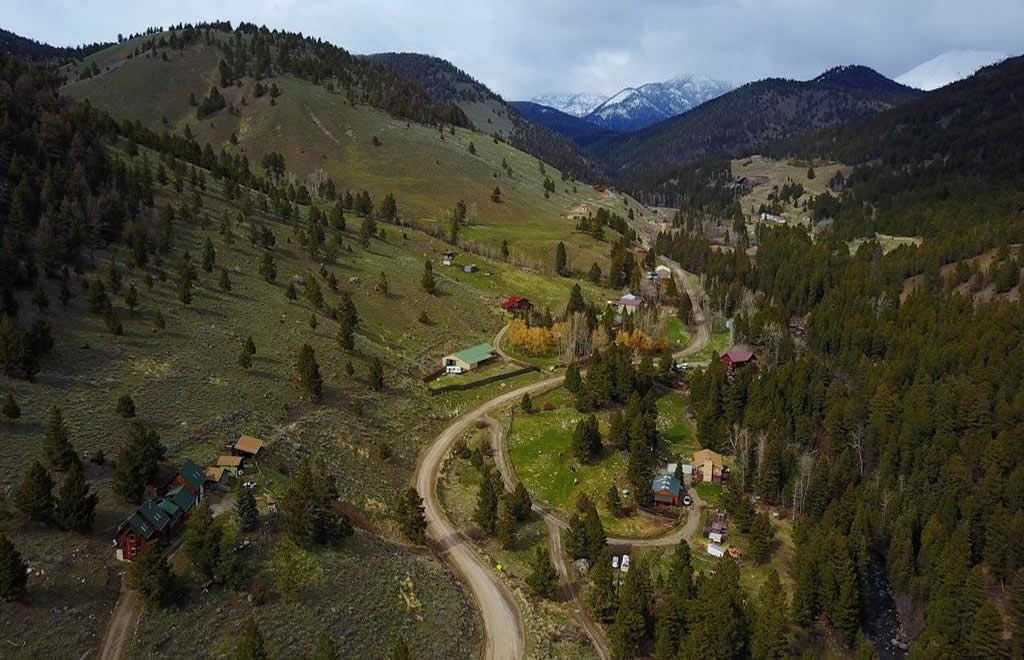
x: 467, y: 359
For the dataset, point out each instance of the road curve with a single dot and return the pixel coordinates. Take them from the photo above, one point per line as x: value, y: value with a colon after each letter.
x: 503, y: 625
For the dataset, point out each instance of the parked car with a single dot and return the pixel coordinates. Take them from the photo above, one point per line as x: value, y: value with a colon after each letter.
x: 615, y: 561
x: 687, y: 501
x: 625, y: 564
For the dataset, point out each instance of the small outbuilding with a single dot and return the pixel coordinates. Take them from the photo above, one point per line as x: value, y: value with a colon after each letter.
x: 628, y: 303
x: 716, y: 550
x: 230, y: 464
x: 447, y: 259
x: 248, y: 447
x: 665, y: 489
x: 467, y: 359
x: 470, y: 268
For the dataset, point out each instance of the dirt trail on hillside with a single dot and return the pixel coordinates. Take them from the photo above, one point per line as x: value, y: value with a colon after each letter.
x: 126, y: 613
x: 503, y: 623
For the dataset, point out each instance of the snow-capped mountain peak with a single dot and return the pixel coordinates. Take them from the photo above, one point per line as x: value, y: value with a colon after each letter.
x: 949, y: 67
x: 634, y: 108
x: 577, y: 104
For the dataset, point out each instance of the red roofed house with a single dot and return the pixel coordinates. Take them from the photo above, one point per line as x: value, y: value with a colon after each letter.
x: 516, y: 305
x: 736, y: 358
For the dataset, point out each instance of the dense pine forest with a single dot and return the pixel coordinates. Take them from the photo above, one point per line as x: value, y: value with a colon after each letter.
x: 894, y: 426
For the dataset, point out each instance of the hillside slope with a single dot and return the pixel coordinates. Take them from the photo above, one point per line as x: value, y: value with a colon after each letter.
x: 751, y: 115
x: 489, y: 112
x: 323, y: 133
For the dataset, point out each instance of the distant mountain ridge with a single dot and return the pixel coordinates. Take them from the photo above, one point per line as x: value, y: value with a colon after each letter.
x: 636, y: 108
x: 949, y: 67
x: 579, y: 130
x: 577, y: 104
x: 749, y: 116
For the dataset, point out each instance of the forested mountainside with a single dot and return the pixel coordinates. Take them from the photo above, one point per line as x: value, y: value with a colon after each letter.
x: 258, y: 52
x: 893, y: 421
x: 446, y: 83
x: 580, y: 131
x: 30, y: 49
x: 745, y: 118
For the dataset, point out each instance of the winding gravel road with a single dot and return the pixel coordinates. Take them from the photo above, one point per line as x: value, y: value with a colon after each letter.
x: 503, y: 625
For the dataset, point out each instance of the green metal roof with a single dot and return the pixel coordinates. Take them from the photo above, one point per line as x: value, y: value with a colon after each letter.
x: 193, y: 474
x: 142, y: 526
x: 181, y: 497
x: 475, y: 354
x: 154, y: 514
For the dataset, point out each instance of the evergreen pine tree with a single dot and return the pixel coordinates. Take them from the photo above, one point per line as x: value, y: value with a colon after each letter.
x: 1015, y: 608
x: 845, y: 614
x: 225, y: 281
x: 561, y: 260
x: 13, y: 571
x: 505, y: 528
x: 522, y: 503
x: 574, y: 539
x: 612, y: 499
x: 246, y: 511
x: 986, y: 639
x: 542, y: 578
x: 573, y: 382
x: 125, y: 406
x: 770, y: 634
x: 486, y: 513
x: 151, y: 576
x: 250, y: 346
x: 250, y: 644
x: 376, y: 375
x: 526, y: 404
x: 209, y: 256
x: 761, y: 535
x: 75, y: 507
x: 268, y: 269
x: 311, y: 381
x: 137, y: 462
x: 427, y: 282
x: 131, y: 298
x: 34, y: 496
x: 347, y: 323
x: 411, y: 516
x: 602, y: 597
x: 11, y: 409
x: 244, y: 358
x: 56, y: 445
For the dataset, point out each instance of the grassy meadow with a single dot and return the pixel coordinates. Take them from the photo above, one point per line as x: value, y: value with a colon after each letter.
x: 540, y: 448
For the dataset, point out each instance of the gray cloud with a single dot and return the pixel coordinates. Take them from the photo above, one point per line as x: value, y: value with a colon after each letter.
x: 525, y: 47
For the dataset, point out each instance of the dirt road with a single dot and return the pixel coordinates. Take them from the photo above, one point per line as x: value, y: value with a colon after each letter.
x: 503, y: 625
x: 122, y: 621
x: 701, y: 320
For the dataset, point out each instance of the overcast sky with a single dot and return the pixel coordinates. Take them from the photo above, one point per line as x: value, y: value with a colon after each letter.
x: 521, y: 48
